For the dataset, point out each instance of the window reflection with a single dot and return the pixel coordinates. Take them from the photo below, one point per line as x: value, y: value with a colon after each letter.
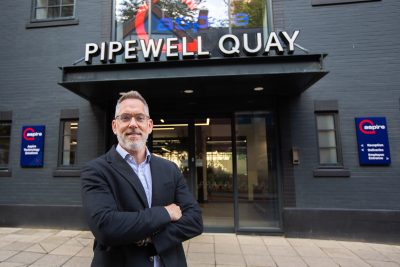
x: 210, y: 19
x: 5, y: 136
x: 53, y: 9
x: 69, y: 142
x: 171, y: 142
x: 248, y: 13
x: 328, y: 153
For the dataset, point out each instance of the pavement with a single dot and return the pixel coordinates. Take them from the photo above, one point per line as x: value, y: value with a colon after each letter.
x: 69, y: 248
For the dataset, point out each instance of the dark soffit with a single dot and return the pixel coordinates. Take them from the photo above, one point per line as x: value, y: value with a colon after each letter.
x: 279, y: 75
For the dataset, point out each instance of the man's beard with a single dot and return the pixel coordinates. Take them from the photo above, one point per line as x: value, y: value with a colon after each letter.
x: 130, y: 145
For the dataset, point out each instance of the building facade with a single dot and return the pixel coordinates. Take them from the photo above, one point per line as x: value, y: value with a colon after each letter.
x: 283, y: 116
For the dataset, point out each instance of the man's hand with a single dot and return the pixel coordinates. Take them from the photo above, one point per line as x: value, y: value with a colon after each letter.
x: 174, y: 212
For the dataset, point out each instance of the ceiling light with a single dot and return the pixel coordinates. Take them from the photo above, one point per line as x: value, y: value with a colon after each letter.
x: 258, y: 88
x: 188, y: 91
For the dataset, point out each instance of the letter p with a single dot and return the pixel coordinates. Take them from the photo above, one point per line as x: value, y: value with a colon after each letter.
x: 91, y: 50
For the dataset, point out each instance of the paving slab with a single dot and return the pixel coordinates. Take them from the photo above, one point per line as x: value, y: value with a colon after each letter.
x: 310, y: 251
x: 51, y: 243
x: 339, y: 253
x: 26, y: 247
x: 51, y: 261
x: 17, y: 246
x: 67, y: 250
x: 299, y: 242
x: 86, y: 252
x: 327, y: 243
x: 82, y: 241
x: 319, y: 262
x: 226, y: 239
x: 7, y: 230
x: 250, y: 240
x: 227, y: 248
x: 25, y: 257
x: 193, y: 264
x: 6, y: 254
x: 283, y: 261
x: 36, y: 248
x: 282, y: 251
x: 259, y: 260
x: 384, y: 248
x: 205, y: 238
x: 78, y: 262
x: 201, y: 258
x: 26, y: 231
x: 68, y: 233
x: 201, y: 247
x: 254, y: 250
x: 12, y: 237
x: 369, y: 254
x: 350, y: 262
x: 275, y: 241
x: 11, y: 264
x: 229, y: 259
x: 394, y: 257
x: 382, y: 264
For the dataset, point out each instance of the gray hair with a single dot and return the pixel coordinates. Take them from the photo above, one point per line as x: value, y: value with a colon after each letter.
x: 132, y: 95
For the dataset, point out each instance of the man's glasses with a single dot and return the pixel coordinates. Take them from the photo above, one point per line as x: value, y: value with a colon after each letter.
x: 127, y: 117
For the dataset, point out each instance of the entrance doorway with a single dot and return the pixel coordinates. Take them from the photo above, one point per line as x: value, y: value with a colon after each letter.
x: 229, y: 164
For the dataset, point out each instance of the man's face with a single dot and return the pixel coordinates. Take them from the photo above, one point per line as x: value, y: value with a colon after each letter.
x: 132, y: 134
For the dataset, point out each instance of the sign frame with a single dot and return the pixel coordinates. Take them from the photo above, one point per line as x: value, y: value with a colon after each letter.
x: 32, y: 146
x: 372, y: 141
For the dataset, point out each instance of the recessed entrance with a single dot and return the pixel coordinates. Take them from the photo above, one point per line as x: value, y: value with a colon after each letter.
x: 230, y: 166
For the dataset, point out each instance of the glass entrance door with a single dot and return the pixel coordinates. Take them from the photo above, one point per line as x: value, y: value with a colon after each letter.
x: 257, y: 178
x: 202, y: 149
x: 214, y: 172
x: 234, y: 178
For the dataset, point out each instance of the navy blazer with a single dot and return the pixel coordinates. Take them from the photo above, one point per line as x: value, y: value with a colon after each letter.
x: 118, y: 214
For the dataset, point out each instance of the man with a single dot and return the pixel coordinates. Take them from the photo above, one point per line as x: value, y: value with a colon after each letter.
x: 138, y: 206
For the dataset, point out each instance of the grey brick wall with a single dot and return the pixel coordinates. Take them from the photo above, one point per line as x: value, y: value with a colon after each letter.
x: 362, y: 42
x: 29, y: 74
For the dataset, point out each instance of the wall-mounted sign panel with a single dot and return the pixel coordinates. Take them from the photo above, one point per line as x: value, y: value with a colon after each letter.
x: 32, y: 145
x: 373, y: 142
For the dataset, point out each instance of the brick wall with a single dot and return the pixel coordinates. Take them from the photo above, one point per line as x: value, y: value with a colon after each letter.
x: 362, y: 42
x: 29, y: 67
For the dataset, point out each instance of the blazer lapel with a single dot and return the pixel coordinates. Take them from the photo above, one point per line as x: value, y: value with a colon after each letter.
x: 122, y: 167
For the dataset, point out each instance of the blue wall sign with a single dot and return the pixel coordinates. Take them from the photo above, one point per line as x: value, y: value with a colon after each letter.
x: 32, y: 146
x: 373, y: 142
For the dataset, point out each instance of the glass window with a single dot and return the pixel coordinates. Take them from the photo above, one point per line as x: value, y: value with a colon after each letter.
x: 53, y: 9
x: 5, y: 134
x: 69, y: 142
x: 210, y: 19
x: 328, y: 139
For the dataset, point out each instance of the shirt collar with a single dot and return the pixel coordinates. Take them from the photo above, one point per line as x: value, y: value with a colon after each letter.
x: 125, y: 154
